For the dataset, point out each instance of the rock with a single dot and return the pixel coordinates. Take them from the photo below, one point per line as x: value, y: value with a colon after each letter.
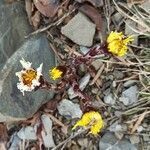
x: 82, y: 84
x: 129, y: 26
x: 15, y: 142
x: 130, y: 83
x: 117, y: 17
x: 97, y: 64
x: 12, y: 32
x: 145, y: 5
x: 134, y: 139
x: 84, y: 49
x: 118, y: 74
x: 13, y: 104
x: 27, y: 133
x: 130, y: 95
x: 80, y: 30
x: 110, y: 142
x: 109, y: 99
x: 68, y: 109
x: 140, y: 129
x: 47, y: 132
x: 83, y: 142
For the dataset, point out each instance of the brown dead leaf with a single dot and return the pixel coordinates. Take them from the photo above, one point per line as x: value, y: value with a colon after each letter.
x: 3, y: 136
x: 35, y: 19
x: 96, y: 3
x: 139, y: 121
x: 93, y: 14
x: 28, y: 4
x: 3, y: 132
x: 47, y: 7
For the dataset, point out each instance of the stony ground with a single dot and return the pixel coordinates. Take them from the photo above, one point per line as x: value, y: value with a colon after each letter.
x: 54, y: 32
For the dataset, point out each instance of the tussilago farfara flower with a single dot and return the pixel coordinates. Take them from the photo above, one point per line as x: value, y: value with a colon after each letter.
x: 117, y: 43
x: 92, y: 119
x: 28, y: 77
x: 55, y: 73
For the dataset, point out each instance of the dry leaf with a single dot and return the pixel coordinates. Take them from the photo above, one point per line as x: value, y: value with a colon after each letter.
x: 28, y: 4
x: 46, y: 7
x: 96, y: 3
x: 139, y: 121
x: 35, y: 19
x: 93, y: 14
x: 3, y: 136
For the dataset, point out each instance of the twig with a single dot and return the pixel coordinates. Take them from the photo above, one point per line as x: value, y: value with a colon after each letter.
x: 70, y: 138
x: 98, y: 74
x: 51, y: 25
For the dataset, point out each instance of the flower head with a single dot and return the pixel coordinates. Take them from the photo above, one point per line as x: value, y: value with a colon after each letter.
x: 117, y: 43
x: 55, y: 73
x: 92, y: 119
x: 28, y: 77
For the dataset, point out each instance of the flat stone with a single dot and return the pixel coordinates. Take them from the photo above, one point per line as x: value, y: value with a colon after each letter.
x: 13, y: 105
x: 130, y: 95
x: 69, y: 109
x: 145, y: 5
x: 15, y: 142
x: 109, y: 99
x: 27, y: 133
x: 82, y: 84
x: 12, y: 32
x: 129, y: 27
x: 80, y: 30
x: 47, y: 132
x: 110, y: 142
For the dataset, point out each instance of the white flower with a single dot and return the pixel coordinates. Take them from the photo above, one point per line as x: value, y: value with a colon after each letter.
x: 29, y: 78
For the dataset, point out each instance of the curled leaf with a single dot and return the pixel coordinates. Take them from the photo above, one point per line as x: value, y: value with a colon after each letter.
x: 46, y: 7
x: 93, y: 14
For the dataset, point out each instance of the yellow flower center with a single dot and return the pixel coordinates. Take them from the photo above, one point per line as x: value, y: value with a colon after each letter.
x: 55, y: 73
x: 28, y: 77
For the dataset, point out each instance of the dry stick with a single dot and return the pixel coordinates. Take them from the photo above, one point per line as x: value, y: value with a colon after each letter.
x: 142, y: 116
x: 51, y: 25
x: 97, y: 75
x: 70, y: 138
x: 132, y: 18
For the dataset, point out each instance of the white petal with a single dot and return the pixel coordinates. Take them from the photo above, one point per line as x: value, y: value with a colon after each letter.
x: 25, y: 64
x: 39, y: 70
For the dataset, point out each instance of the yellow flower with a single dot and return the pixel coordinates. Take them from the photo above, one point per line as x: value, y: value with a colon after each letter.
x: 29, y: 78
x: 92, y: 119
x: 117, y: 43
x: 55, y: 73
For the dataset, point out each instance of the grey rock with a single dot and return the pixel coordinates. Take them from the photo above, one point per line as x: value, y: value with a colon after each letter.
x: 15, y: 142
x: 134, y: 139
x: 27, y: 133
x: 130, y: 83
x: 69, y: 110
x: 110, y: 142
x: 84, y: 49
x: 80, y: 30
x: 82, y: 84
x: 83, y: 142
x: 47, y: 132
x: 109, y: 99
x: 129, y: 30
x: 12, y: 103
x: 12, y: 32
x: 146, y: 5
x: 97, y: 64
x: 117, y: 17
x: 130, y: 95
x: 118, y: 74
